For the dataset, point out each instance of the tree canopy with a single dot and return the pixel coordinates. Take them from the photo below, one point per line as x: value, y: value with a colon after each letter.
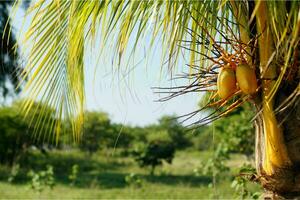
x: 9, y: 67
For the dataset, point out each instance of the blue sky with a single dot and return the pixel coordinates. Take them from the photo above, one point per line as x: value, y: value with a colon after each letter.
x: 126, y: 95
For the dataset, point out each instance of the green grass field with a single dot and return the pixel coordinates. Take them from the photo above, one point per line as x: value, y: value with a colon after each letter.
x: 102, y: 176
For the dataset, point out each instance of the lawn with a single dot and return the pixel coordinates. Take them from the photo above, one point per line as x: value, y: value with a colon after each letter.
x: 102, y: 176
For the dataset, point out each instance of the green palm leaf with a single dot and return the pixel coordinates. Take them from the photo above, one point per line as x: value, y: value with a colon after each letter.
x: 61, y: 28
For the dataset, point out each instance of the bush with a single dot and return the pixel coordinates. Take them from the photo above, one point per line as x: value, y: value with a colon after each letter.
x: 154, y: 153
x: 133, y: 180
x: 239, y: 184
x: 74, y: 174
x: 14, y: 173
x: 42, y: 179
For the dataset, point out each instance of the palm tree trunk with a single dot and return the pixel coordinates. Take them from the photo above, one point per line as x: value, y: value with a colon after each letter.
x: 277, y: 133
x: 285, y: 181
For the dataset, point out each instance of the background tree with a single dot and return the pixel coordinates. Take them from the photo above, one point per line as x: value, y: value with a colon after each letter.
x: 17, y: 132
x: 100, y: 133
x: 263, y: 35
x: 175, y: 130
x: 9, y: 67
x: 154, y: 153
x: 97, y: 132
x: 236, y: 131
x: 15, y: 138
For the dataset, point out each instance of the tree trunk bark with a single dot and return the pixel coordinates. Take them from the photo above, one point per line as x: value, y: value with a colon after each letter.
x: 278, y: 133
x: 285, y: 182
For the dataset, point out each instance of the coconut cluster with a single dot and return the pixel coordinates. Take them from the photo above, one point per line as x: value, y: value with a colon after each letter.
x: 232, y: 79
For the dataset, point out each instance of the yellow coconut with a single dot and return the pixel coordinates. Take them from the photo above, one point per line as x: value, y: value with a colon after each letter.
x: 246, y: 78
x: 226, y: 82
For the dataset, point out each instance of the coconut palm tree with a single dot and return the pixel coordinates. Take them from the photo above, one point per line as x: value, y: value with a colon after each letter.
x: 245, y: 37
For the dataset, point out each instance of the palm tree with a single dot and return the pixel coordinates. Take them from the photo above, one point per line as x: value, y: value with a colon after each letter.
x: 264, y: 35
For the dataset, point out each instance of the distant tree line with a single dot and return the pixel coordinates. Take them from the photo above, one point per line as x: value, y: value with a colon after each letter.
x: 149, y: 145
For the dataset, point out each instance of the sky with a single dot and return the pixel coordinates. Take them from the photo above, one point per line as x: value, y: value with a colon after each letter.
x: 126, y: 94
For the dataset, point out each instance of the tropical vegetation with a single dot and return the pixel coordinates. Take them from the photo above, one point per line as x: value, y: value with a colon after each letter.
x: 255, y: 42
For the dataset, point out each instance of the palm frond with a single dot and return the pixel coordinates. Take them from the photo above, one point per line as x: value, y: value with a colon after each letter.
x: 60, y: 29
x: 285, y: 28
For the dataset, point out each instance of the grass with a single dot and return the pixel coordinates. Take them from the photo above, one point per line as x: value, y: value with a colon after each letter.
x: 102, y: 176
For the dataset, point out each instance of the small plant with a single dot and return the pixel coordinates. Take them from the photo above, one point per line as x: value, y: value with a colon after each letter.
x: 215, y: 165
x: 240, y: 183
x: 133, y: 180
x: 74, y: 174
x: 14, y: 172
x: 42, y: 179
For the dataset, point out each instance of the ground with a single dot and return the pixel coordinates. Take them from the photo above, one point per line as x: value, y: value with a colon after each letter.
x: 102, y: 176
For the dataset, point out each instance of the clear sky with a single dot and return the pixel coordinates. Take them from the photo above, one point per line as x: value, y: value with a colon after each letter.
x: 126, y: 95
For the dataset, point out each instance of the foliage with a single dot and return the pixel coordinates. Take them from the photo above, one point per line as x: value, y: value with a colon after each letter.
x: 124, y: 136
x: 14, y: 173
x: 41, y: 112
x: 17, y: 133
x: 97, y: 132
x: 100, y: 133
x: 42, y: 179
x: 133, y: 180
x: 175, y: 130
x: 103, y: 178
x: 60, y: 57
x: 10, y: 71
x: 15, y: 137
x: 235, y: 135
x: 203, y: 139
x: 215, y: 165
x: 236, y: 131
x: 154, y: 153
x: 240, y: 183
x: 74, y: 174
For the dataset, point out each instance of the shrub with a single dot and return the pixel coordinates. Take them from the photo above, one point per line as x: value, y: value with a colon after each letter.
x: 215, y: 165
x: 239, y: 184
x: 154, y: 153
x: 14, y: 173
x: 42, y: 179
x: 133, y: 180
x: 74, y: 174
